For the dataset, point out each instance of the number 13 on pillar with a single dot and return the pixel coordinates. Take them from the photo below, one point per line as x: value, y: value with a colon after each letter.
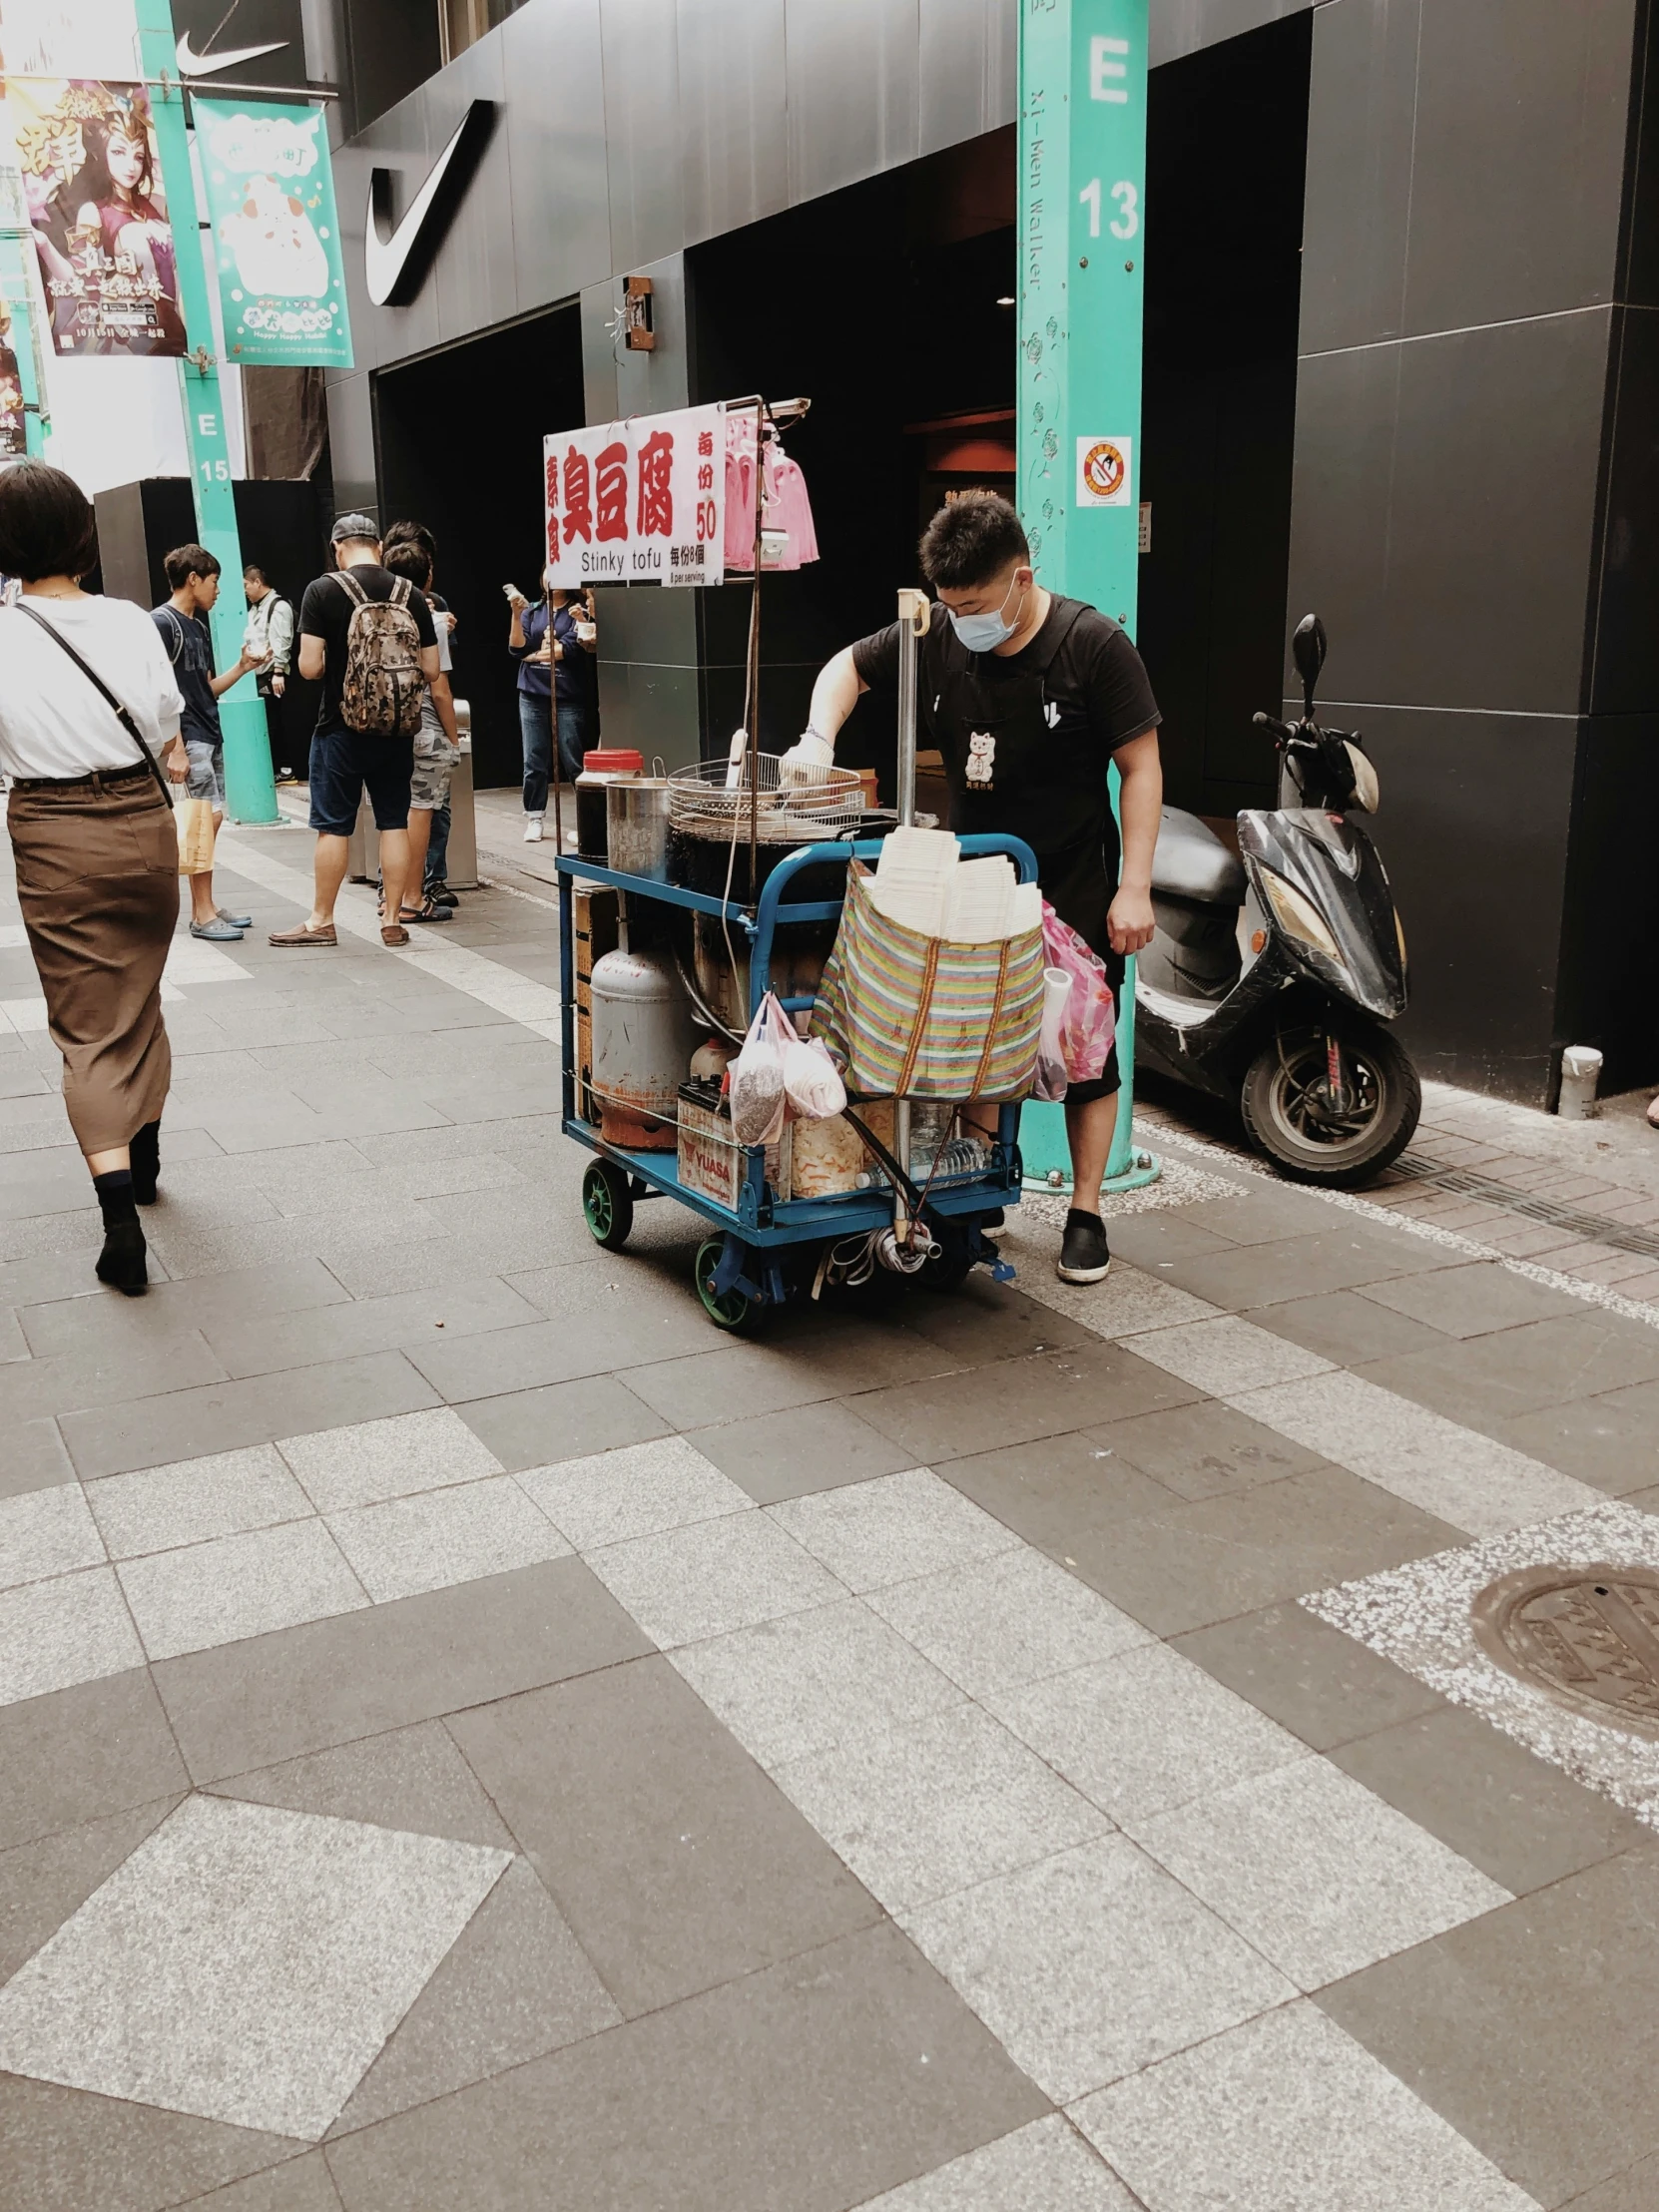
x: 1082, y: 171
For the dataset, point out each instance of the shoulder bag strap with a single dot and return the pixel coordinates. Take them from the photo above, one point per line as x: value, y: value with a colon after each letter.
x: 178, y: 645
x: 353, y: 590
x: 92, y: 676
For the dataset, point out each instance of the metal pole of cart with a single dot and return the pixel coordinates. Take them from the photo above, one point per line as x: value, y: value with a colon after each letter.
x: 913, y: 624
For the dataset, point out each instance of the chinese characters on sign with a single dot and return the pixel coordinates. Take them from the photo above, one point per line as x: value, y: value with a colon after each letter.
x: 271, y: 201
x: 637, y: 502
x: 92, y: 177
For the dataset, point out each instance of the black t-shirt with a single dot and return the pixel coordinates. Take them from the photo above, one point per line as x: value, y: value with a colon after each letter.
x: 1096, y: 676
x: 325, y: 612
x: 188, y: 645
x: 1027, y: 739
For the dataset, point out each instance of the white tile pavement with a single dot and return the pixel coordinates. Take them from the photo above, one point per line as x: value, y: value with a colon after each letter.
x: 189, y: 1502
x: 801, y: 1683
x: 1286, y: 2113
x: 931, y: 1805
x: 1316, y: 1872
x: 1145, y: 1732
x: 246, y: 1963
x: 1011, y: 1620
x: 1045, y: 2167
x: 891, y: 1528
x: 1092, y: 1963
x: 238, y: 1586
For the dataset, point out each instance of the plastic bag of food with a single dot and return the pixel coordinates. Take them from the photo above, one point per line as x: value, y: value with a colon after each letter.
x: 811, y: 1081
x: 756, y: 1076
x: 1088, y: 1022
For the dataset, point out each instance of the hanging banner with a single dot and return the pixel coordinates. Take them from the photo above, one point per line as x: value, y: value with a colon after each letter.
x: 13, y: 424
x: 91, y: 181
x: 637, y: 502
x: 271, y: 202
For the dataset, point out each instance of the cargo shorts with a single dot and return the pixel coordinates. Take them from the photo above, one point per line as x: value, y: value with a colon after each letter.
x: 434, y: 762
x: 207, y: 771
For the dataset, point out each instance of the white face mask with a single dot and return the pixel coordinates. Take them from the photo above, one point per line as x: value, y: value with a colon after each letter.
x: 984, y: 633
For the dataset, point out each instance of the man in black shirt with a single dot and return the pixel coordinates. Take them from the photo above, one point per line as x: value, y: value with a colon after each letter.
x: 1029, y: 696
x: 345, y: 763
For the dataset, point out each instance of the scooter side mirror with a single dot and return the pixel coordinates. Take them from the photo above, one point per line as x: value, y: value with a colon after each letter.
x: 1308, y: 649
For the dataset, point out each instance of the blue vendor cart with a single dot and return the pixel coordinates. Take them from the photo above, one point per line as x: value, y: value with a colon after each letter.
x: 767, y: 1246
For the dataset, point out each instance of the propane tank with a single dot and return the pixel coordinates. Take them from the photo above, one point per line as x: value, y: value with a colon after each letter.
x: 644, y: 1034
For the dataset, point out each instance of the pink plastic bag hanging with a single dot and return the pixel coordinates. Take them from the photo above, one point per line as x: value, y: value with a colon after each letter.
x: 1089, y: 1023
x: 759, y: 1100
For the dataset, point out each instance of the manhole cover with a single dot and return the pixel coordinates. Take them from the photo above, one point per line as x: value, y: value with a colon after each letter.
x: 1588, y: 1638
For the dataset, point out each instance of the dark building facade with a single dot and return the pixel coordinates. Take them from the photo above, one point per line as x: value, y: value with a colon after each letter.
x: 1402, y: 366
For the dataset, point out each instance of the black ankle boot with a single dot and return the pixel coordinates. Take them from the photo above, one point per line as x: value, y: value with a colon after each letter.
x: 145, y: 1153
x: 121, y: 1263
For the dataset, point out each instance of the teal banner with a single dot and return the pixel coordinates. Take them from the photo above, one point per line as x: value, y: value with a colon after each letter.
x: 271, y: 206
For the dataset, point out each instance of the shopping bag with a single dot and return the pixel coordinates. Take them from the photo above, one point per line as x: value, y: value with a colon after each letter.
x: 1089, y: 1020
x: 1051, y: 1077
x: 193, y: 820
x: 913, y: 1017
x: 758, y: 1097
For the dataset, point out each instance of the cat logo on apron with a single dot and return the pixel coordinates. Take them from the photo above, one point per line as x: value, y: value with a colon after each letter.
x: 981, y: 759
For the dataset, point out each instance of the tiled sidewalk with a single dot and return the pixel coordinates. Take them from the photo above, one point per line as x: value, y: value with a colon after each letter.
x: 473, y: 1737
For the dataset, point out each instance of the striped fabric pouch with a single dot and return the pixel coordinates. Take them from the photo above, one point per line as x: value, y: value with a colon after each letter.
x: 910, y: 1016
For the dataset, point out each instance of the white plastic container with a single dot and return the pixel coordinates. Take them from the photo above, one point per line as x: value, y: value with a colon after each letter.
x: 1580, y: 1073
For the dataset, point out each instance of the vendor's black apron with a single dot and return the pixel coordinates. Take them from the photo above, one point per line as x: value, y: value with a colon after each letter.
x: 1010, y: 773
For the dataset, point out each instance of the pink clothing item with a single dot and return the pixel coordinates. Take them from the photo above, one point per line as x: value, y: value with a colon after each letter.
x: 785, y: 507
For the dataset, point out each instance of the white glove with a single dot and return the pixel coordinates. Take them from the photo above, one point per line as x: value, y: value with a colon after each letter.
x: 808, y: 760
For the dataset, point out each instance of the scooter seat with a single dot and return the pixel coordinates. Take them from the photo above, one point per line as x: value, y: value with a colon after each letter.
x: 1192, y: 863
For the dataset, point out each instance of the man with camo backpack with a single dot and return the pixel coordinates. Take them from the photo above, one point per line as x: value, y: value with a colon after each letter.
x: 368, y: 638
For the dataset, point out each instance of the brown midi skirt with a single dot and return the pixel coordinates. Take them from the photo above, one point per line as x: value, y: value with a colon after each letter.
x: 98, y: 882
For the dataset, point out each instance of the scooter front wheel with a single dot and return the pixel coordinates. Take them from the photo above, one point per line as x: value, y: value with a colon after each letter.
x: 1343, y: 1134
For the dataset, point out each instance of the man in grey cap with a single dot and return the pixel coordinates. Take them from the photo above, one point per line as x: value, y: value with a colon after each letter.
x: 346, y: 761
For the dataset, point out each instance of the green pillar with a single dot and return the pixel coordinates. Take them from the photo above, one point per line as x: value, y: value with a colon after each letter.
x: 1082, y: 176
x: 251, y: 792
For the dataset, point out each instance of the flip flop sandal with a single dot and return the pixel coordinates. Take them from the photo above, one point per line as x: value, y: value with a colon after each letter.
x: 430, y: 911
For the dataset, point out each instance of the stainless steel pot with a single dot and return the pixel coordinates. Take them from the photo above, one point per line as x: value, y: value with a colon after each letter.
x: 636, y: 826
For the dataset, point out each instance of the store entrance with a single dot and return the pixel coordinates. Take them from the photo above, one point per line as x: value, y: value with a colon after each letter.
x: 459, y: 436
x: 1227, y: 142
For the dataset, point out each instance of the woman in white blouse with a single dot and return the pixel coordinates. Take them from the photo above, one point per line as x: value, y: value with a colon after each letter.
x: 88, y: 707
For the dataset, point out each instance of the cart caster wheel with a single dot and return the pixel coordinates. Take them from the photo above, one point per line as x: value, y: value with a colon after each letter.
x: 607, y: 1205
x: 732, y: 1310
x: 948, y: 1271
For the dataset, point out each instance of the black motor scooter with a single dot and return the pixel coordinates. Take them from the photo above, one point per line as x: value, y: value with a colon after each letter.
x: 1273, y: 980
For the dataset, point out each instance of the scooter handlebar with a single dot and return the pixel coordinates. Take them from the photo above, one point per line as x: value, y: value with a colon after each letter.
x: 1280, y: 730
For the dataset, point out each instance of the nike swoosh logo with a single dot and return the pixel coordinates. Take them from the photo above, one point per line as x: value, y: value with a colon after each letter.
x: 192, y: 64
x: 393, y: 267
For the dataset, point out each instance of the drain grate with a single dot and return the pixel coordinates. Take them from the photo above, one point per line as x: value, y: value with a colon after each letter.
x: 1588, y: 1638
x: 1592, y: 1228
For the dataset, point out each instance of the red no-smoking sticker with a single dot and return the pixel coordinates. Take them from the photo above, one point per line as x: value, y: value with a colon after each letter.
x: 1103, y: 472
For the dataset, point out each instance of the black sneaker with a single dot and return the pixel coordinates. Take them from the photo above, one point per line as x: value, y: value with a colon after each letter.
x: 1085, y: 1256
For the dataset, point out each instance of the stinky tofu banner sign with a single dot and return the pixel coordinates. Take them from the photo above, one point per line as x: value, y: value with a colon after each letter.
x: 637, y: 502
x: 271, y: 202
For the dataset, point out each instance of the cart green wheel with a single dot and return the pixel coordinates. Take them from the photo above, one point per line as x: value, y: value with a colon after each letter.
x: 607, y: 1205
x: 734, y: 1309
